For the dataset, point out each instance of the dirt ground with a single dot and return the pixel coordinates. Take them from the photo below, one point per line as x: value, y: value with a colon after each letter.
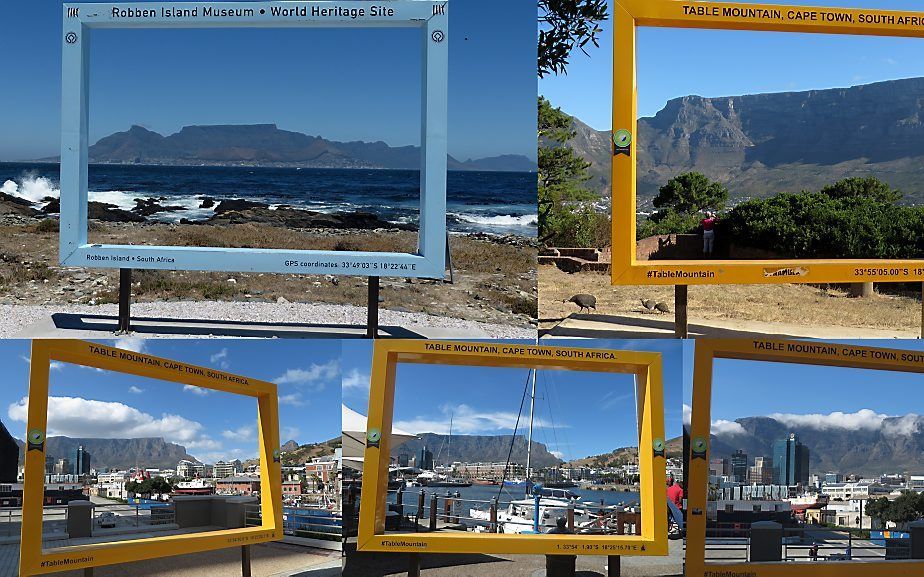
x: 495, y: 277
x: 805, y: 305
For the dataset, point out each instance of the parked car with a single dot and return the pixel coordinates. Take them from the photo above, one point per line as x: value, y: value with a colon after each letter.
x: 106, y: 520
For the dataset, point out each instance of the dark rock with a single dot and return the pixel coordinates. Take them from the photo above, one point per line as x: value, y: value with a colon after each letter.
x: 237, y: 204
x: 296, y: 218
x: 14, y: 205
x: 99, y: 211
x: 151, y: 206
x: 207, y: 202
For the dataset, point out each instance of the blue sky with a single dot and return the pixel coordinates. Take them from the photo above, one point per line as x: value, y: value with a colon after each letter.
x: 675, y: 62
x: 211, y: 425
x: 807, y: 394
x: 592, y: 413
x: 341, y: 84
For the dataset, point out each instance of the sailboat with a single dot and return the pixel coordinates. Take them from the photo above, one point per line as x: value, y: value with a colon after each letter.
x: 442, y: 480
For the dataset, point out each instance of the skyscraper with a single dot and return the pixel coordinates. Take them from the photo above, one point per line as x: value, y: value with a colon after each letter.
x: 739, y: 467
x: 425, y: 460
x: 790, y: 462
x: 81, y: 462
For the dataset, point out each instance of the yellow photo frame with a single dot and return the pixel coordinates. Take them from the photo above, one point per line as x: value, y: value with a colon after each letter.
x: 628, y: 15
x: 35, y: 561
x: 646, y: 366
x: 779, y: 351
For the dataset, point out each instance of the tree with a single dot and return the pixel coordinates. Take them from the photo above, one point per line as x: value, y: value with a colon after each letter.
x: 868, y: 187
x: 566, y: 215
x: 565, y: 25
x: 690, y: 193
x: 878, y: 509
x: 904, y: 509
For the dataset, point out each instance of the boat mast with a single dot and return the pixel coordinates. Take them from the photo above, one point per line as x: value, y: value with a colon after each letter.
x: 529, y: 439
x: 449, y: 445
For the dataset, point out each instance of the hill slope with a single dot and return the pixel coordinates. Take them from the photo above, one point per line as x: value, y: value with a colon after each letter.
x: 763, y: 144
x: 896, y: 445
x: 267, y: 145
x: 118, y: 453
x: 475, y: 448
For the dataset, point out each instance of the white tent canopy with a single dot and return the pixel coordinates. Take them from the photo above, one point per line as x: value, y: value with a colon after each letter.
x: 354, y: 437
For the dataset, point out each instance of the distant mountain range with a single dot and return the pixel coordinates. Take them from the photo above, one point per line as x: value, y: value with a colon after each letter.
x: 897, y: 445
x: 763, y: 144
x: 117, y: 453
x: 267, y: 145
x: 626, y: 455
x: 477, y: 448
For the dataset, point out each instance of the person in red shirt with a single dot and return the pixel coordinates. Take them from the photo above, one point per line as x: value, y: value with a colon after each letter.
x: 674, y: 492
x: 708, y: 224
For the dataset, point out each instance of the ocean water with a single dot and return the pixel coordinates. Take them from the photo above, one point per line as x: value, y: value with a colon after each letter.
x: 492, y: 202
x: 507, y: 494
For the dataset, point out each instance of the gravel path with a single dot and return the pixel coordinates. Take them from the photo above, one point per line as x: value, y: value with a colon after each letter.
x: 35, y: 320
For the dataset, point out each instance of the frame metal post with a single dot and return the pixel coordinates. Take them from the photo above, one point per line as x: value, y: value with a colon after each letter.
x: 372, y: 317
x: 125, y: 300
x: 613, y: 566
x: 680, y: 311
x: 245, y: 561
x: 413, y: 565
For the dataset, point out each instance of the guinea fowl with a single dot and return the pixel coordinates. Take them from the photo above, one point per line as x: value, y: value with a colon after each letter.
x: 648, y: 304
x: 584, y: 301
x: 662, y: 308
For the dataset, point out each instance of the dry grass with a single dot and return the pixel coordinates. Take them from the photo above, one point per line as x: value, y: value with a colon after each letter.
x: 803, y: 305
x: 494, y: 283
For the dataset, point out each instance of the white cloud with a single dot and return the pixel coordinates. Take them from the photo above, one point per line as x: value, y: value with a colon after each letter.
x: 133, y: 344
x: 469, y: 421
x: 226, y: 455
x: 687, y: 414
x: 290, y: 433
x: 244, y: 433
x: 293, y: 400
x: 312, y: 379
x: 864, y: 419
x: 135, y: 390
x: 356, y: 381
x: 220, y: 358
x: 723, y: 427
x: 78, y: 417
x: 196, y: 390
x: 558, y: 454
x: 611, y: 399
x: 52, y: 365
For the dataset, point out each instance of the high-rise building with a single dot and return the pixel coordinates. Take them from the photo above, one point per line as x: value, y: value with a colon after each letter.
x: 739, y: 467
x: 790, y: 462
x: 9, y: 456
x: 63, y: 467
x: 762, y: 471
x: 81, y: 463
x: 403, y: 459
x: 425, y: 460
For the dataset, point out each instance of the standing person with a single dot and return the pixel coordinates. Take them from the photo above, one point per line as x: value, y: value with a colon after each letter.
x: 674, y: 492
x: 709, y: 233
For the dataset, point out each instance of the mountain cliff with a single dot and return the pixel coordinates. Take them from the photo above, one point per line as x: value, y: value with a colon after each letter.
x: 477, y: 448
x: 267, y: 145
x: 763, y: 144
x: 896, y: 444
x: 118, y: 453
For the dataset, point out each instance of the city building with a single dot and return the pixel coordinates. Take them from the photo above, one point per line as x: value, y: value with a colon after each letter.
x: 916, y: 482
x: 494, y: 471
x: 63, y: 467
x: 403, y: 459
x: 237, y: 486
x: 322, y: 468
x: 833, y: 478
x: 739, y: 467
x: 425, y: 460
x: 855, y: 491
x: 291, y: 488
x: 222, y: 469
x: 81, y: 463
x: 762, y: 471
x: 790, y: 462
x: 55, y: 494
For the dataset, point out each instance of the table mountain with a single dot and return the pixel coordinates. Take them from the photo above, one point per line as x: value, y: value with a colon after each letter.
x: 477, y: 448
x: 119, y: 453
x: 267, y: 145
x: 897, y: 445
x: 763, y: 144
